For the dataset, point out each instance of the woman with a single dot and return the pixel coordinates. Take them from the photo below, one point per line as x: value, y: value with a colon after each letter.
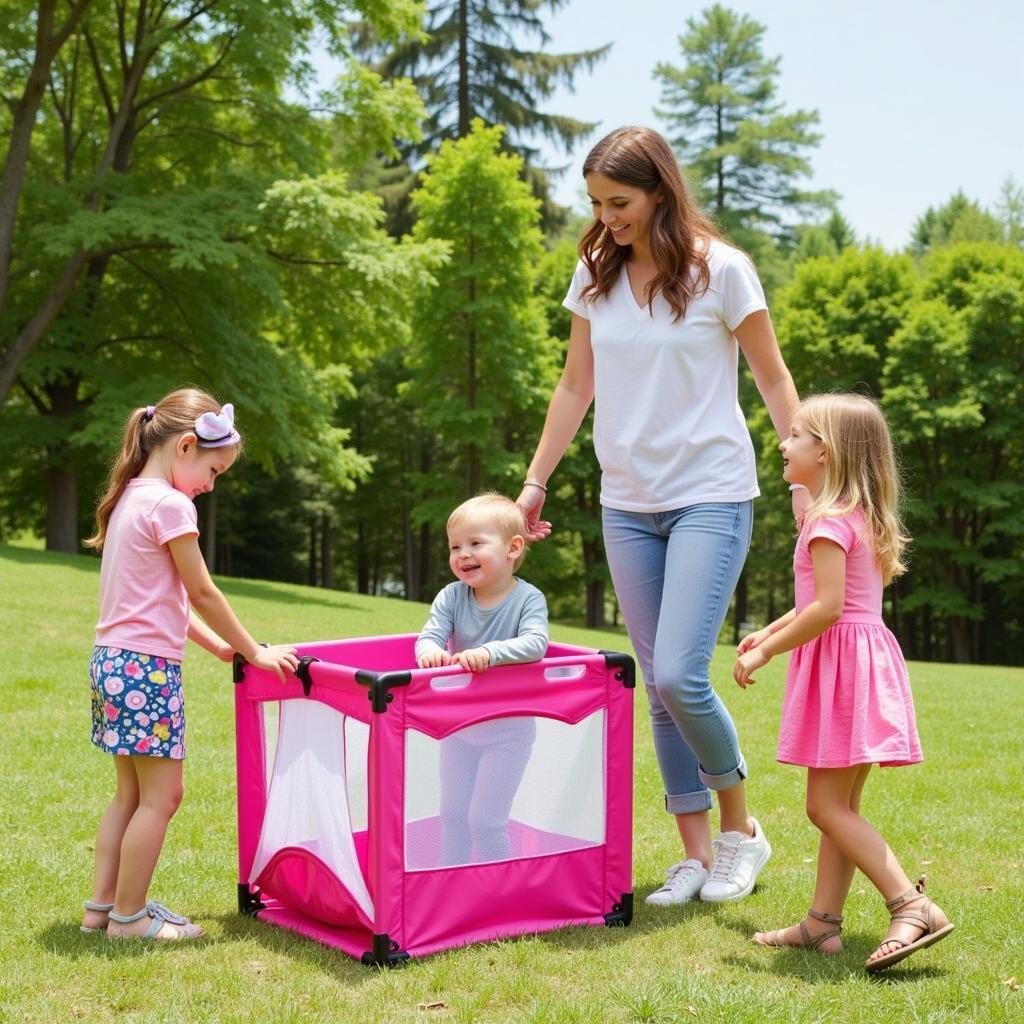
x: 660, y: 306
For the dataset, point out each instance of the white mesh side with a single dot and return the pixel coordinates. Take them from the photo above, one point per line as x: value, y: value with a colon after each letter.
x: 503, y: 790
x: 271, y: 714
x: 307, y: 805
x: 357, y: 748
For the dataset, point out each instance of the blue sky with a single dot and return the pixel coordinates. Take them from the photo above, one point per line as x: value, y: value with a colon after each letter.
x: 916, y: 97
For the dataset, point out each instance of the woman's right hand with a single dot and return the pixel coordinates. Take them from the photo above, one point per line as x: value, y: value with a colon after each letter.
x: 531, y: 501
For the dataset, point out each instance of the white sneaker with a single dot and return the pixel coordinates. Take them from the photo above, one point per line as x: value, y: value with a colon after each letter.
x: 738, y: 861
x: 683, y: 882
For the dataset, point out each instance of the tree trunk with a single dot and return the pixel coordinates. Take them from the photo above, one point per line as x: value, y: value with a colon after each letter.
x: 740, y: 608
x: 312, y: 575
x: 465, y: 114
x: 61, y: 509
x: 960, y: 638
x: 326, y: 552
x: 362, y: 559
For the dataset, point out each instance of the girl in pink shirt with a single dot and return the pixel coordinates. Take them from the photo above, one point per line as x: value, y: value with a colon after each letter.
x: 848, y: 703
x: 152, y: 582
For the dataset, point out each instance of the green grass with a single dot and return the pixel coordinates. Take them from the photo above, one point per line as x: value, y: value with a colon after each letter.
x: 958, y: 817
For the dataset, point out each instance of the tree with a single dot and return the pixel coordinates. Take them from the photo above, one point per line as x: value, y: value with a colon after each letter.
x: 740, y: 148
x: 471, y: 65
x: 958, y: 220
x: 473, y: 61
x: 214, y: 245
x: 954, y: 392
x: 1011, y: 211
x: 481, y: 363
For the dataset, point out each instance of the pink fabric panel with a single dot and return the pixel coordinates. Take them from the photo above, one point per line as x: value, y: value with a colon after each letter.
x: 619, y: 791
x: 301, y: 881
x: 453, y: 906
x: 353, y: 941
x: 424, y: 837
x: 251, y: 777
x: 334, y: 685
x: 386, y: 816
x: 503, y: 691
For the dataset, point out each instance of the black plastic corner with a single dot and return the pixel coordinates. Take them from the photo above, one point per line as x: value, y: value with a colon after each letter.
x: 302, y: 672
x: 238, y: 664
x: 621, y: 913
x: 385, y: 953
x: 249, y: 903
x: 379, y: 683
x: 625, y: 665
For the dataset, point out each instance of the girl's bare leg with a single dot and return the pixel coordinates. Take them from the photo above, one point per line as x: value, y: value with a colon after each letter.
x: 160, y: 792
x: 835, y: 868
x: 108, y: 840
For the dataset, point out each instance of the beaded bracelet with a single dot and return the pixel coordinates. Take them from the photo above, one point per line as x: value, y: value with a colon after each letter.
x: 535, y: 483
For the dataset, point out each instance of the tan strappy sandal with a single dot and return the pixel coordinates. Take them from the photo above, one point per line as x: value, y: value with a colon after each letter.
x: 928, y: 917
x: 807, y: 941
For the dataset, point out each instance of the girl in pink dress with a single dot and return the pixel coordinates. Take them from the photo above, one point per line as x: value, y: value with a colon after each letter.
x: 848, y: 703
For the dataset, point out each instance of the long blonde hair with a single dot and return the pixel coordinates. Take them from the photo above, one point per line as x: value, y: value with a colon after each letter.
x: 175, y: 414
x: 860, y: 471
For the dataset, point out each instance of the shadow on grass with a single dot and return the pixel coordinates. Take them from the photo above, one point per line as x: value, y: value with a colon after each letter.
x: 794, y: 962
x: 270, y: 592
x: 65, y: 940
x: 33, y: 556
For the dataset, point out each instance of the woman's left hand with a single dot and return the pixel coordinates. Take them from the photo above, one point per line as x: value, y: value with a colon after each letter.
x: 747, y: 664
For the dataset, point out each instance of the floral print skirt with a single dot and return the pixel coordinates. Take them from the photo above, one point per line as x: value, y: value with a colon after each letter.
x: 138, y: 706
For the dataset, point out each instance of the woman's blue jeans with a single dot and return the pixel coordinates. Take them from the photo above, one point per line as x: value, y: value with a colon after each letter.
x: 674, y: 574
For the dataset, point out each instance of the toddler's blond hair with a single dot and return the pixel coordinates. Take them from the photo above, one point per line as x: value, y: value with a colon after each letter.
x: 496, y: 511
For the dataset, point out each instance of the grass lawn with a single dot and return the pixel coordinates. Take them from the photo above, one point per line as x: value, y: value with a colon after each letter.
x: 957, y: 817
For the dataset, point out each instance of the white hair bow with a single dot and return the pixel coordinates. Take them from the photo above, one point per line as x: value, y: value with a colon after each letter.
x: 217, y: 429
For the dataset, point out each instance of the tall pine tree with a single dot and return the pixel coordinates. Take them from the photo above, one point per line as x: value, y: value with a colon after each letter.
x: 741, y: 148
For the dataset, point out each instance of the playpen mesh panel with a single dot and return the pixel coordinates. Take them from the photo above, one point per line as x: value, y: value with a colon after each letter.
x: 308, y: 801
x: 504, y: 789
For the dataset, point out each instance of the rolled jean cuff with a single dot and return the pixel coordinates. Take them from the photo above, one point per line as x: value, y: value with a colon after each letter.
x: 727, y: 779
x: 688, y: 803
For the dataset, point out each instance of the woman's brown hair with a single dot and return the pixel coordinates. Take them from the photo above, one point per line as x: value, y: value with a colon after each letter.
x: 175, y: 414
x: 680, y: 231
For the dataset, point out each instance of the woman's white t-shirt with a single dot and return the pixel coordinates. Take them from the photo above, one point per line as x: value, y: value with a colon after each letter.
x: 668, y: 429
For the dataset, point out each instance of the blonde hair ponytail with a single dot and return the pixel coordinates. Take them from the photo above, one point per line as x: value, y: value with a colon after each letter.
x: 147, y: 428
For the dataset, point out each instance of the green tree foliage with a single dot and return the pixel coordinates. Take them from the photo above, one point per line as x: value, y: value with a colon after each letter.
x: 1010, y: 209
x: 954, y: 391
x: 943, y: 350
x: 179, y: 222
x: 740, y: 147
x: 474, y: 61
x: 472, y: 64
x: 481, y: 361
x: 958, y: 220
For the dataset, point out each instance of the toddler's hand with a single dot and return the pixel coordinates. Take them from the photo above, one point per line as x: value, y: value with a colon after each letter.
x: 277, y: 658
x: 434, y: 659
x: 746, y: 665
x: 476, y: 659
x: 752, y: 640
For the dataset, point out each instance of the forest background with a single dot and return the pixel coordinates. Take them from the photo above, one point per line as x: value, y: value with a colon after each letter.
x: 372, y: 270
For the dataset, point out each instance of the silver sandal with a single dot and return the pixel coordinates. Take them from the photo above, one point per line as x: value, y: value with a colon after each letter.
x: 100, y: 908
x: 160, y: 915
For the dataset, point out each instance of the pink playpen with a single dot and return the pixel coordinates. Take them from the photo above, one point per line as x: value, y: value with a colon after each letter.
x: 347, y: 774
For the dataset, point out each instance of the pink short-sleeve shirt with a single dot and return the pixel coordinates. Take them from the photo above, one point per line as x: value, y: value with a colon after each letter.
x: 143, y: 603
x: 863, y: 598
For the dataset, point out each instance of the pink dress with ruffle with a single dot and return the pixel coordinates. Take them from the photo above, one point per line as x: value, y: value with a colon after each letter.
x: 848, y: 697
